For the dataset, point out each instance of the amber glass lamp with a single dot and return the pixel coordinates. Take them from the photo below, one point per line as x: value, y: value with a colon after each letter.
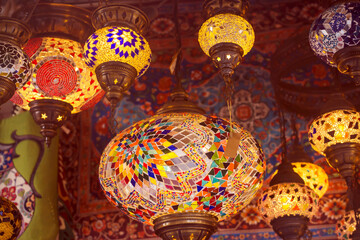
x: 10, y: 220
x: 226, y: 36
x: 117, y: 51
x: 61, y: 83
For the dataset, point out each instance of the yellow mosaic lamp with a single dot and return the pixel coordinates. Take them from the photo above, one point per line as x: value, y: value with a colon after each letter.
x: 335, y: 133
x: 61, y: 83
x: 226, y: 36
x: 117, y: 51
x: 10, y: 220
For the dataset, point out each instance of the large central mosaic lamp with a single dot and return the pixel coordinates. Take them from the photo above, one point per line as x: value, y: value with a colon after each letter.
x: 172, y: 170
x: 61, y: 83
x: 226, y: 36
x: 117, y: 51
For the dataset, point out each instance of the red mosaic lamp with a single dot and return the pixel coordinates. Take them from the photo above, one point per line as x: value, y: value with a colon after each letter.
x: 14, y: 63
x: 61, y: 82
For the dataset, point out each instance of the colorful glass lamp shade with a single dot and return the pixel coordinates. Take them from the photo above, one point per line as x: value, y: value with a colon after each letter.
x: 10, y: 220
x: 117, y: 51
x: 288, y: 204
x: 226, y: 36
x: 336, y: 135
x: 61, y: 82
x: 14, y: 63
x: 334, y: 37
x: 170, y: 171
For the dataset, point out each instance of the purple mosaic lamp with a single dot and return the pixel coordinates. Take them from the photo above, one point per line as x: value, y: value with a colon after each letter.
x: 117, y: 51
x: 335, y: 37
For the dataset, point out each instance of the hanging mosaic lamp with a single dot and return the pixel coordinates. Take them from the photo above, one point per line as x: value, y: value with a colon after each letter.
x: 226, y: 36
x: 334, y: 37
x: 288, y: 204
x: 10, y: 220
x: 170, y: 170
x: 336, y: 134
x: 14, y: 63
x: 117, y: 51
x: 61, y: 82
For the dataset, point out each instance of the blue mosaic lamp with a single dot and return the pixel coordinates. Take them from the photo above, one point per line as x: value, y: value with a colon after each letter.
x: 117, y: 51
x: 335, y: 36
x: 172, y: 170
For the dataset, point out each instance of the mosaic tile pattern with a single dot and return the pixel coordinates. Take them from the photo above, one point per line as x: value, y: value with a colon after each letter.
x: 339, y: 126
x: 288, y: 199
x: 336, y: 28
x: 59, y: 72
x: 313, y: 175
x: 175, y: 163
x: 14, y: 64
x: 118, y: 44
x: 10, y: 219
x: 226, y: 28
x: 346, y: 226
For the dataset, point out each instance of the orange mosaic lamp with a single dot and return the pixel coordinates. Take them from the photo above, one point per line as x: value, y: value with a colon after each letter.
x: 10, y: 220
x: 61, y: 82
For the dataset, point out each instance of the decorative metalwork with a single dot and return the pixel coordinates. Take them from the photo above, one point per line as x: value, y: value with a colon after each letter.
x: 190, y: 225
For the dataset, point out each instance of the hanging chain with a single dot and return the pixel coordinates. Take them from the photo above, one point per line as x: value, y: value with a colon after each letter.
x: 229, y: 91
x: 282, y: 135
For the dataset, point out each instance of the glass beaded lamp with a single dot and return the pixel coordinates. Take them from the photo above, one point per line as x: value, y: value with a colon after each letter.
x: 334, y: 37
x: 171, y: 170
x: 226, y: 36
x: 288, y: 204
x: 14, y: 63
x: 10, y: 220
x: 61, y: 82
x: 117, y: 51
x: 335, y: 133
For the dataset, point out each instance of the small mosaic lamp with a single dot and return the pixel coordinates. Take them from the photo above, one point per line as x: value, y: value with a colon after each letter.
x: 117, y: 51
x: 226, y: 36
x: 288, y: 204
x: 334, y: 37
x: 172, y: 170
x: 61, y: 83
x: 336, y: 134
x: 14, y: 63
x: 10, y: 220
